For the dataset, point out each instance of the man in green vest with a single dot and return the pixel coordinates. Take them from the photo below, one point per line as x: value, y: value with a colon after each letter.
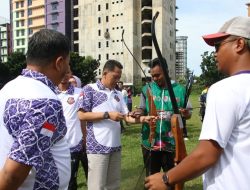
x: 159, y: 150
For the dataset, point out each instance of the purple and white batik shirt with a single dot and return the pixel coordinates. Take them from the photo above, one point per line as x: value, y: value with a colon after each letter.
x: 32, y: 130
x: 70, y: 99
x: 102, y: 136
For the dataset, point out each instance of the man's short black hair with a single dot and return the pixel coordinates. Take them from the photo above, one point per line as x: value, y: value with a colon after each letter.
x: 155, y: 62
x: 45, y: 46
x: 111, y: 64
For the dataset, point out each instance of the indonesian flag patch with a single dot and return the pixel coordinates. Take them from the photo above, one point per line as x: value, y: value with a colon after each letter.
x: 48, y: 129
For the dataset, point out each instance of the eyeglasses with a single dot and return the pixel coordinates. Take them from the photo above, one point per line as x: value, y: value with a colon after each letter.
x: 219, y: 44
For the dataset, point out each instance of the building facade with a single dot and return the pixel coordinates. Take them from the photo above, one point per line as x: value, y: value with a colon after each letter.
x: 58, y: 16
x: 102, y: 24
x: 5, y: 40
x: 29, y: 16
x: 181, y: 56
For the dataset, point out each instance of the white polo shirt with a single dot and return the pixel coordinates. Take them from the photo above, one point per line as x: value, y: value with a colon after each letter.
x: 102, y: 136
x: 32, y: 130
x: 70, y: 101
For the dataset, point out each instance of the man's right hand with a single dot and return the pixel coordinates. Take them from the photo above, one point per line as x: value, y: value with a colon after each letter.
x: 116, y: 116
x: 137, y: 113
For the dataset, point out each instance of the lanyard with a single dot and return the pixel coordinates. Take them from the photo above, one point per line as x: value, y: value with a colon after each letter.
x: 243, y: 72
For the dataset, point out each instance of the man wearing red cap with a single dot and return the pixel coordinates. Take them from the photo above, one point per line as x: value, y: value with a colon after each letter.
x: 223, y: 151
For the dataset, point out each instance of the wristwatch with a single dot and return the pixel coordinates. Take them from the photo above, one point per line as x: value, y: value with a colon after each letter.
x: 165, y: 181
x: 106, y: 115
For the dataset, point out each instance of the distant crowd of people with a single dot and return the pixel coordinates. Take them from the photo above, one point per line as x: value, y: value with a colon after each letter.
x: 50, y: 122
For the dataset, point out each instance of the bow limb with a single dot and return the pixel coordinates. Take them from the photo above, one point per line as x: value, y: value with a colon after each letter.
x: 176, y: 121
x: 152, y: 112
x: 188, y: 88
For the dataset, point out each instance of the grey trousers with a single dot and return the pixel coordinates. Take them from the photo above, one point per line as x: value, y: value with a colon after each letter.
x: 104, y: 171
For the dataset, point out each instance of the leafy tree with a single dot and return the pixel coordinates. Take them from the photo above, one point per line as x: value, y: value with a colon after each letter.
x: 84, y: 68
x: 4, y: 74
x: 16, y: 63
x: 12, y: 68
x: 210, y: 74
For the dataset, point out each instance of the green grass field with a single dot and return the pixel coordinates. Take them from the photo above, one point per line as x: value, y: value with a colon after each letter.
x: 132, y: 162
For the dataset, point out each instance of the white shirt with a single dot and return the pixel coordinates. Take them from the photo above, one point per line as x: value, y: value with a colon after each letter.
x: 32, y: 130
x: 227, y: 121
x: 70, y: 101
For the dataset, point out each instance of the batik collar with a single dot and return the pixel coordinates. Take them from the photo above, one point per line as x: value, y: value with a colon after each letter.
x: 40, y: 77
x: 102, y: 87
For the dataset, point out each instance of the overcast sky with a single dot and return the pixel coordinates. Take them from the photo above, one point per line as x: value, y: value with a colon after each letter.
x: 196, y: 18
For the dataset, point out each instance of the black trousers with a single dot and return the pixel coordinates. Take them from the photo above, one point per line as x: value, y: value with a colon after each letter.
x: 76, y: 158
x: 154, y: 161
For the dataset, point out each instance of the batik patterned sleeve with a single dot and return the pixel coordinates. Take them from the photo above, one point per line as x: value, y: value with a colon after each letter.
x: 85, y: 100
x: 35, y: 125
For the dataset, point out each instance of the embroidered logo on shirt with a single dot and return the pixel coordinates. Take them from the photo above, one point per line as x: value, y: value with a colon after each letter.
x: 71, y: 100
x: 48, y: 129
x: 117, y: 98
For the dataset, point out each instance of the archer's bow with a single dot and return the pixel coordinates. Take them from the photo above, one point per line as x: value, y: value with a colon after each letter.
x: 176, y: 121
x: 188, y: 88
x: 152, y: 112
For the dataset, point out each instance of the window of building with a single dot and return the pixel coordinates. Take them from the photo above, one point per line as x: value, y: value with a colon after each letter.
x: 29, y: 11
x: 99, y: 57
x: 22, y: 42
x: 22, y: 22
x: 75, y: 2
x: 76, y: 25
x: 107, y: 30
x: 107, y: 43
x: 76, y: 36
x: 54, y: 6
x: 54, y: 26
x: 99, y: 20
x: 75, y: 12
x: 21, y: 3
x: 107, y: 56
x: 17, y: 5
x: 17, y: 33
x: 54, y: 16
x: 99, y: 44
x: 99, y: 71
x: 99, y: 32
x: 17, y: 42
x: 22, y: 13
x: 17, y: 23
x: 17, y: 14
x: 107, y: 6
x: 29, y: 2
x: 99, y: 7
x: 76, y: 47
x: 171, y: 21
x: 107, y: 18
x: 22, y: 32
x: 30, y: 31
x: 30, y: 21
